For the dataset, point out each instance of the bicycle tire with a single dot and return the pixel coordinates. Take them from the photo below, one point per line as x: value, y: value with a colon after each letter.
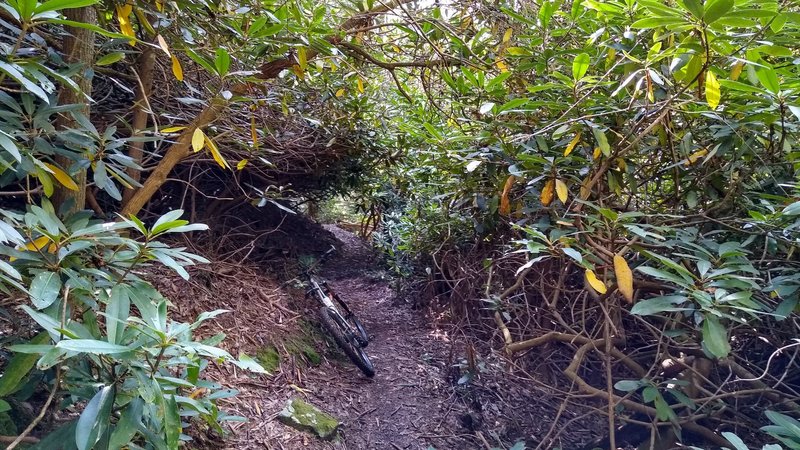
x: 354, y: 352
x: 361, y: 337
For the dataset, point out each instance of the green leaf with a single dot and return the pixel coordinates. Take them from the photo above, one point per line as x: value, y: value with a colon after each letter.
x: 127, y: 425
x: 45, y: 289
x: 663, y: 275
x: 602, y: 141
x: 663, y: 411
x: 200, y: 60
x: 48, y: 323
x: 769, y: 79
x: 580, y: 65
x: 715, y: 9
x: 627, y: 385
x: 693, y: 6
x: 658, y: 305
x: 10, y: 146
x: 247, y: 363
x: 16, y: 72
x: 656, y: 22
x: 119, y: 306
x: 715, y: 337
x: 222, y: 61
x: 62, y: 438
x: 110, y: 58
x: 19, y: 366
x: 55, y: 5
x: 88, y: 26
x: 735, y: 441
x: 92, y: 346
x: 172, y: 422
x: 574, y: 254
x: 94, y: 419
x: 792, y: 210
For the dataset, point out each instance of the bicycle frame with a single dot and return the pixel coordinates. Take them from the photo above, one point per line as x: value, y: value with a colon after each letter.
x: 338, y: 320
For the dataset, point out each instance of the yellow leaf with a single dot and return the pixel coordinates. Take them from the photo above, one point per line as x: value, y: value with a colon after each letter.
x: 38, y: 243
x: 572, y: 144
x: 737, y: 70
x: 396, y: 49
x: 597, y: 152
x: 584, y: 191
x: 502, y: 66
x: 695, y: 156
x: 163, y: 44
x: 507, y: 35
x: 340, y: 92
x: 198, y: 138
x: 547, y: 192
x: 241, y: 164
x: 160, y: 5
x: 623, y: 166
x: 624, y: 277
x: 212, y: 147
x: 611, y: 56
x: 177, y: 70
x: 302, y: 60
x: 595, y: 283
x: 253, y: 132
x: 712, y: 90
x: 562, y: 191
x: 360, y: 85
x: 125, y: 26
x: 62, y: 177
x: 172, y: 129
x: 298, y: 71
x: 333, y: 66
x: 505, y: 205
x: 198, y: 392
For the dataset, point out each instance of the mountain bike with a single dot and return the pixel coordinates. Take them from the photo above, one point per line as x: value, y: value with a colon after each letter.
x: 337, y: 319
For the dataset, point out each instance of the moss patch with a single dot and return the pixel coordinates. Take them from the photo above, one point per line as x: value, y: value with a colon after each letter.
x: 304, y: 343
x: 306, y: 417
x: 269, y: 358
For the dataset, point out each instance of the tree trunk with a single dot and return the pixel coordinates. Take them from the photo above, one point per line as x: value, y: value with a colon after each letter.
x: 174, y: 155
x: 145, y: 65
x: 78, y: 49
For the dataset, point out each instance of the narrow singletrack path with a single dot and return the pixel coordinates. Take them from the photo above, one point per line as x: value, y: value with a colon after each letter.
x: 409, y: 404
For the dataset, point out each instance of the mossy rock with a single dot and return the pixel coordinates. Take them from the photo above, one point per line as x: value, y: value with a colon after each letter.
x: 269, y: 358
x: 306, y: 417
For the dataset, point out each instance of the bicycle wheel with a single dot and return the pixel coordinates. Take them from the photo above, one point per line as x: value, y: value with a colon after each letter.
x: 349, y: 345
x: 352, y: 320
x: 361, y: 333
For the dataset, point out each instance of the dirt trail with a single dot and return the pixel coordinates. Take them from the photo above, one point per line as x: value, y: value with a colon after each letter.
x: 418, y: 398
x: 408, y: 404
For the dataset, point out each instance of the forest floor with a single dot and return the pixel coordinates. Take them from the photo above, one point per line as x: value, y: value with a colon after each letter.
x: 422, y: 396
